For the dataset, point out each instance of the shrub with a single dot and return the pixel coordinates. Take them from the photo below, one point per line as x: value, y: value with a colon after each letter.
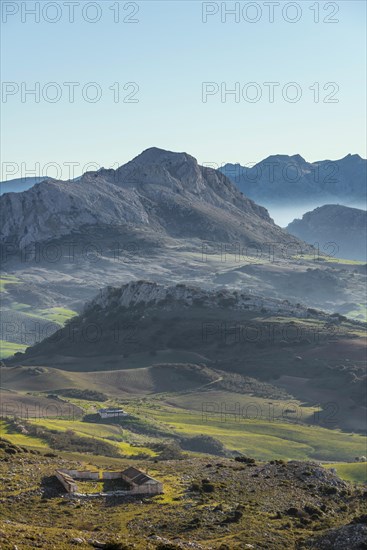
x: 88, y: 395
x: 245, y: 459
x: 68, y: 440
x: 207, y: 487
x: 169, y: 451
x: 203, y: 444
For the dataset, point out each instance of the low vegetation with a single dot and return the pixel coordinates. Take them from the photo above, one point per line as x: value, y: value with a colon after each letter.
x: 215, y: 504
x: 8, y: 349
x: 350, y: 471
x: 85, y: 395
x: 66, y: 440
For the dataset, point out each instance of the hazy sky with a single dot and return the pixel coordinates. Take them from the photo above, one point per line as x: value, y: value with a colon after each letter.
x: 168, y: 53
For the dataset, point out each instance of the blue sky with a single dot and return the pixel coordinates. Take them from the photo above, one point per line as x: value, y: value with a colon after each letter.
x: 169, y: 53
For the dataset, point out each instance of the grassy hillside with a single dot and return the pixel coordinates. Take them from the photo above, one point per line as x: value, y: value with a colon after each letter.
x: 206, y: 505
x: 24, y: 405
x: 114, y: 434
x: 180, y: 401
x: 7, y: 349
x: 29, y: 314
x: 6, y: 280
x: 263, y: 439
x: 355, y: 472
x: 21, y: 439
x: 42, y: 379
x: 318, y: 359
x: 282, y: 437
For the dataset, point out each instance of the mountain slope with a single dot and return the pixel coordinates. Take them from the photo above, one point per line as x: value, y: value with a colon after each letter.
x: 122, y: 321
x: 143, y: 316
x: 19, y: 184
x: 283, y: 178
x: 333, y: 223
x: 317, y: 358
x: 167, y: 193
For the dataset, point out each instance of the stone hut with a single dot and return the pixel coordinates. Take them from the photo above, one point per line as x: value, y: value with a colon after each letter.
x: 141, y: 483
x: 138, y: 482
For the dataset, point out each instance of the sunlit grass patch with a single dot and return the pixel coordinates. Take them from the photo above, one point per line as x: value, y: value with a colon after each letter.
x: 112, y: 434
x: 263, y: 439
x: 21, y: 439
x: 7, y: 349
x: 350, y: 471
x: 7, y: 280
x: 359, y: 313
x: 58, y: 315
x: 319, y: 258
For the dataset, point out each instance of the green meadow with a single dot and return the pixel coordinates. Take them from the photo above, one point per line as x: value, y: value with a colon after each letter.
x: 264, y: 439
x: 7, y: 349
x: 350, y: 471
x: 113, y: 434
x: 57, y: 315
x: 21, y: 439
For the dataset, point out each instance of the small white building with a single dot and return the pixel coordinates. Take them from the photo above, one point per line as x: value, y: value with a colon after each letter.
x: 112, y: 413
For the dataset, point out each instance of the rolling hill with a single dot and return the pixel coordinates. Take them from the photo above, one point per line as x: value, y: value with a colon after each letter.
x: 315, y: 357
x: 344, y: 228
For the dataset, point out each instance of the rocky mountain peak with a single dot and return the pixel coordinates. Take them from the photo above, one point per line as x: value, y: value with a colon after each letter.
x: 298, y: 158
x: 167, y: 192
x: 155, y: 155
x: 283, y: 179
x: 352, y: 157
x: 283, y: 159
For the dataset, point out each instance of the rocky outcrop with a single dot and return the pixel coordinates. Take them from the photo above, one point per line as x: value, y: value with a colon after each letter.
x: 148, y: 294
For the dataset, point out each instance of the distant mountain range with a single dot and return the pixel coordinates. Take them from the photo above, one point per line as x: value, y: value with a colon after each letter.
x: 291, y: 179
x: 276, y: 179
x: 343, y: 229
x: 163, y: 193
x: 18, y: 185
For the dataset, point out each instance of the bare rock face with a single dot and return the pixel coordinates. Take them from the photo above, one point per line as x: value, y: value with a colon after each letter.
x: 169, y: 194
